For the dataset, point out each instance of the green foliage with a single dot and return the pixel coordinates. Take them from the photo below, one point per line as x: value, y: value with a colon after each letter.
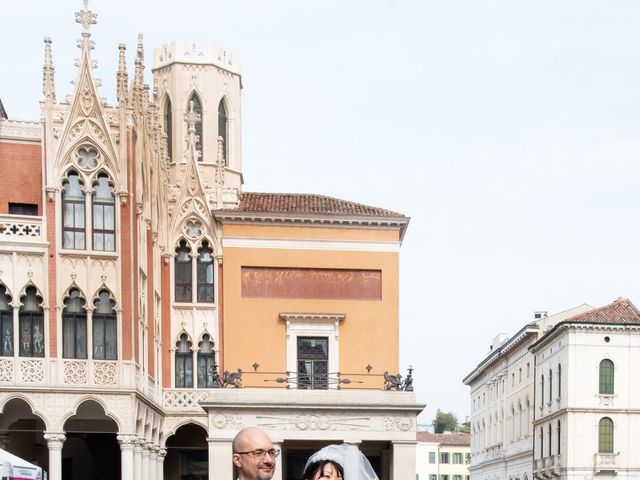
x: 445, y: 422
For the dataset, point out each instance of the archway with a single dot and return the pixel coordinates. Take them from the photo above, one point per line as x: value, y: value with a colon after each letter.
x: 187, y: 454
x: 91, y: 450
x: 21, y: 433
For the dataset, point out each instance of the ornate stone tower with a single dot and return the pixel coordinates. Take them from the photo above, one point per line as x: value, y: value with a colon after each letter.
x: 205, y: 80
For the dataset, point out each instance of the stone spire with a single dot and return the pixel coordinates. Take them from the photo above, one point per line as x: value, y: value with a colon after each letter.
x: 48, y: 79
x: 220, y: 173
x: 122, y: 77
x: 86, y: 18
x: 191, y: 117
x: 138, y: 88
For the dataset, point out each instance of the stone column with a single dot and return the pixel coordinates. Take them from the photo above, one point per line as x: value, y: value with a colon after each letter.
x: 54, y: 442
x: 127, y: 444
x: 153, y: 453
x: 137, y: 459
x: 404, y: 460
x: 162, y: 452
x: 278, y: 473
x: 145, y: 460
x: 220, y: 464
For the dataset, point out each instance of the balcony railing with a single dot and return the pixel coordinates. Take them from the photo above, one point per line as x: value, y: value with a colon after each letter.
x: 21, y: 228
x: 547, y: 467
x: 606, y: 461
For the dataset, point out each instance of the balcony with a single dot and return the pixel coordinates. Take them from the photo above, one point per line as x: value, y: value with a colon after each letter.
x: 21, y: 229
x: 605, y: 462
x: 547, y: 467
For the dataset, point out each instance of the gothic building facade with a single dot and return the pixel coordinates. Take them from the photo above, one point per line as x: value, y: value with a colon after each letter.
x: 150, y: 308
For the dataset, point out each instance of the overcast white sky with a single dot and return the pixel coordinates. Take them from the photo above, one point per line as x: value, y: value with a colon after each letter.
x: 509, y: 131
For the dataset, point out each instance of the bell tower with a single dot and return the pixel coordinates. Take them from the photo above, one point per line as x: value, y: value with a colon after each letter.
x: 203, y: 80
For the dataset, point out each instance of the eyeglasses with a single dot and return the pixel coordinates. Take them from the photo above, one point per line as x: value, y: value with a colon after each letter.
x: 261, y: 453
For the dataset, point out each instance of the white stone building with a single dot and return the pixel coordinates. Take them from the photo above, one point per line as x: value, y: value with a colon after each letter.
x: 587, y: 404
x: 442, y: 456
x: 502, y: 403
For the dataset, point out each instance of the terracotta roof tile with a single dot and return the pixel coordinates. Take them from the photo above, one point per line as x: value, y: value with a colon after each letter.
x: 307, y: 204
x: 454, y: 438
x: 622, y: 311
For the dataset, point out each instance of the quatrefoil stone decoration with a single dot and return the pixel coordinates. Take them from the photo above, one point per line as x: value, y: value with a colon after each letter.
x: 193, y: 229
x: 87, y: 157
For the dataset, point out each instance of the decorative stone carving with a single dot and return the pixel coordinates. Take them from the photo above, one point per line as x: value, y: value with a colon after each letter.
x: 105, y: 373
x: 313, y: 422
x: 183, y: 399
x: 222, y: 421
x: 403, y: 424
x: 75, y: 372
x: 32, y: 371
x: 6, y: 370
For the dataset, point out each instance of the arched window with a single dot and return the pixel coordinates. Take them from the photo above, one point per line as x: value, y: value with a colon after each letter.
x: 104, y: 210
x: 222, y: 130
x: 605, y: 435
x: 542, y: 390
x: 549, y: 438
x: 205, y: 273
x: 31, y: 319
x: 550, y: 385
x: 74, y: 326
x: 197, y: 108
x: 183, y: 274
x: 6, y: 323
x: 559, y: 380
x: 168, y: 130
x: 73, y: 213
x: 558, y: 439
x: 606, y: 377
x: 105, y: 344
x: 541, y: 442
x: 184, y: 363
x: 207, y: 368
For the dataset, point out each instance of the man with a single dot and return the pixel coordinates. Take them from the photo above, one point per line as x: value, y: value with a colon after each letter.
x: 253, y: 455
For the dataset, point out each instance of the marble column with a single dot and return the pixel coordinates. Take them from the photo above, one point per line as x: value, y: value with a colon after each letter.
x: 55, y: 442
x: 127, y: 444
x: 137, y: 459
x: 153, y: 453
x: 162, y: 452
x: 145, y: 460
x: 220, y: 464
x: 277, y: 475
x: 404, y: 460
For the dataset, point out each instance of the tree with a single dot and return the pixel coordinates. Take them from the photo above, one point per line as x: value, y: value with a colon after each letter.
x: 445, y: 422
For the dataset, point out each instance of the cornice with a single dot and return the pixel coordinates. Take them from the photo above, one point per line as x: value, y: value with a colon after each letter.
x: 20, y: 130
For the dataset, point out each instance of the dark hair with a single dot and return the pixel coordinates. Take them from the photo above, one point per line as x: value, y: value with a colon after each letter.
x: 312, y: 468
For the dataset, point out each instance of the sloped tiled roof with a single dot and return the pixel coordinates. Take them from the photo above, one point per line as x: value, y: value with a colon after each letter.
x: 622, y: 311
x: 307, y: 204
x: 454, y: 438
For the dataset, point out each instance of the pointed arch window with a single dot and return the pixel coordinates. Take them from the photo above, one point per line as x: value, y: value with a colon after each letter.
x: 6, y: 323
x: 605, y: 435
x: 31, y: 324
x: 104, y: 220
x: 222, y: 130
x: 105, y: 345
x: 197, y: 108
x: 606, y: 372
x: 73, y: 214
x: 207, y: 368
x: 550, y: 384
x: 541, y: 391
x: 184, y: 363
x: 558, y: 439
x: 549, y: 438
x: 205, y: 273
x: 183, y: 274
x: 74, y: 326
x: 168, y: 129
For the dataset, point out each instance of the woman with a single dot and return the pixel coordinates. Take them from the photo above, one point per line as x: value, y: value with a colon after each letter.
x: 338, y: 462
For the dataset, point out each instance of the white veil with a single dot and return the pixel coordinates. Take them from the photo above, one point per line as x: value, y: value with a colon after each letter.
x: 354, y: 464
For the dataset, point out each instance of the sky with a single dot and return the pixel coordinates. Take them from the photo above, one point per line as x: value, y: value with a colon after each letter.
x: 509, y: 131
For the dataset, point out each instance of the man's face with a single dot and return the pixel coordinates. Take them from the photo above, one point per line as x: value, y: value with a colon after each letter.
x: 253, y: 461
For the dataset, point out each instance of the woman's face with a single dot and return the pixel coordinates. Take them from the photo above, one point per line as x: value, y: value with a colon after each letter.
x: 327, y: 472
